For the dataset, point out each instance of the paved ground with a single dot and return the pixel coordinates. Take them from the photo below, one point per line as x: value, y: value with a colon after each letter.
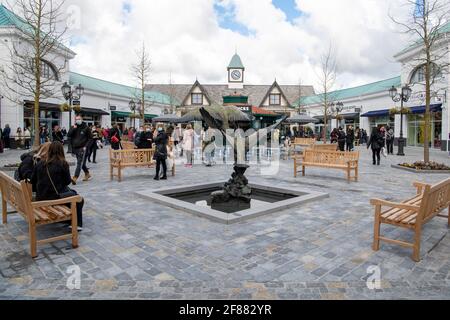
x: 133, y: 249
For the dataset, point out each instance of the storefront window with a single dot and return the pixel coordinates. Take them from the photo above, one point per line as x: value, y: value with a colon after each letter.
x: 387, y: 121
x: 416, y: 130
x: 47, y: 118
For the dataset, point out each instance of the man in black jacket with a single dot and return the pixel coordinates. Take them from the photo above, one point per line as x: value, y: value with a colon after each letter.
x: 342, y: 138
x: 161, y: 142
x: 80, y: 135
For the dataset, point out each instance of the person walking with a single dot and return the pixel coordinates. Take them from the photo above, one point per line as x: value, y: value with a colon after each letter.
x: 161, y: 142
x: 115, y: 138
x: 43, y: 135
x: 350, y: 139
x: 57, y: 135
x: 342, y: 138
x: 79, y: 136
x: 188, y: 145
x: 93, y: 145
x: 376, y: 141
x: 51, y: 178
x: 7, y: 137
x: 390, y: 137
x: 27, y: 138
x: 19, y: 138
x: 145, y: 140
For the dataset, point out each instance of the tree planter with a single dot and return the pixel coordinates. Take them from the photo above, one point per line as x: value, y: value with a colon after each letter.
x: 413, y: 170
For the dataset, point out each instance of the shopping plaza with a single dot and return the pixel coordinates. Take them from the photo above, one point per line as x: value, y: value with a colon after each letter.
x: 105, y: 103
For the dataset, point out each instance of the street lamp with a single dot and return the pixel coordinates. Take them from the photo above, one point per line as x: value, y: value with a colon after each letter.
x: 71, y: 94
x: 337, y: 109
x: 132, y: 106
x: 404, y: 96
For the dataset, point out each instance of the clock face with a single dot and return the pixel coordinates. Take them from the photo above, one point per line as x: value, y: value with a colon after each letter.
x: 236, y: 75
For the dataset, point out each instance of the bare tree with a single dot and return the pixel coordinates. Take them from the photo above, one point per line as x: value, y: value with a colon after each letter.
x: 141, y: 72
x: 172, y: 95
x: 327, y: 78
x: 425, y: 25
x: 35, y: 42
x: 300, y: 96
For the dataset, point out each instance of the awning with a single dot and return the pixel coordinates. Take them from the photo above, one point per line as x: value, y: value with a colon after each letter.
x: 260, y: 112
x: 421, y: 109
x: 121, y: 114
x: 150, y: 116
x: 94, y: 111
x: 43, y: 105
x: 377, y: 113
x: 350, y: 116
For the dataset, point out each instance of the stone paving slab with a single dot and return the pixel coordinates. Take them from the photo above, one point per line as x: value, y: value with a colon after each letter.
x: 135, y: 249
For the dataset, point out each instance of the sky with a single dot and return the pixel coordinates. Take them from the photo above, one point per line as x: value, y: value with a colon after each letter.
x: 196, y: 39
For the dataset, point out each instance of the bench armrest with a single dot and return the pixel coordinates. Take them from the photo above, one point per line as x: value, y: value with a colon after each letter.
x: 40, y: 204
x: 353, y: 162
x: 384, y: 203
x: 420, y: 186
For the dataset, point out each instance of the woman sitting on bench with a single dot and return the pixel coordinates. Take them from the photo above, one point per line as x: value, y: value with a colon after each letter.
x: 51, y: 179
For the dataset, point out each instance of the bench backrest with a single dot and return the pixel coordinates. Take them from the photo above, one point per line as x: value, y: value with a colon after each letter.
x: 16, y: 195
x: 305, y: 141
x: 136, y: 156
x: 329, y: 157
x: 435, y: 199
x: 126, y: 145
x: 324, y: 147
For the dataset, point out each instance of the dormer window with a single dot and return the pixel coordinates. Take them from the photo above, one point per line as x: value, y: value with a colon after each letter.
x: 275, y: 99
x: 197, y: 98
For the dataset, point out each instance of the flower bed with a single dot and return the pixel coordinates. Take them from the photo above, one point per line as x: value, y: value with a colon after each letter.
x: 422, y: 167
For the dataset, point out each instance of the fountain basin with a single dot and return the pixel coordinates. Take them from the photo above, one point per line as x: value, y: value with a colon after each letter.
x: 265, y: 200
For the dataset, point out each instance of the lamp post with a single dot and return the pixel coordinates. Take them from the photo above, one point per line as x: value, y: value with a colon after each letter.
x: 71, y: 94
x: 337, y: 108
x: 132, y: 106
x: 404, y: 96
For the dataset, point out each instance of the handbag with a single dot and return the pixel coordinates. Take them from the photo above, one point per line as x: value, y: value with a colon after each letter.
x: 384, y: 153
x: 66, y: 193
x: 114, y: 139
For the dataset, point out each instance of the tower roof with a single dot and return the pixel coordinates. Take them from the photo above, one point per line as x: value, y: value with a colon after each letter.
x: 236, y: 63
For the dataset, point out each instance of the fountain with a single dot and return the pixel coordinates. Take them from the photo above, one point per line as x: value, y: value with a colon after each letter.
x: 235, y: 200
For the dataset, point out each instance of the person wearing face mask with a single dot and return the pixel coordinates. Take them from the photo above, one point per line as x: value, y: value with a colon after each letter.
x: 161, y: 153
x: 146, y: 139
x: 80, y: 135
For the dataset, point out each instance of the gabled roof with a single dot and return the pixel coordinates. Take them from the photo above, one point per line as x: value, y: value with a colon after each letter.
x: 371, y: 88
x: 216, y: 92
x: 236, y: 63
x: 112, y: 88
x: 274, y: 85
x: 197, y: 84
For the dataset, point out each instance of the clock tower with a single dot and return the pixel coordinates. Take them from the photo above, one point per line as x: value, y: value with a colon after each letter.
x: 236, y: 73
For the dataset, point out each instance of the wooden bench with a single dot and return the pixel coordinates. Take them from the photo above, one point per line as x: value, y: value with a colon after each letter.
x: 120, y: 159
x: 302, y: 142
x: 347, y: 161
x: 324, y: 147
x: 19, y: 196
x: 412, y: 214
x: 126, y: 145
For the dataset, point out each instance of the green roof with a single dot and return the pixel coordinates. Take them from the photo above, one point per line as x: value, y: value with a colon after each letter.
x: 370, y: 88
x: 104, y: 86
x: 444, y: 29
x: 10, y: 19
x: 236, y: 63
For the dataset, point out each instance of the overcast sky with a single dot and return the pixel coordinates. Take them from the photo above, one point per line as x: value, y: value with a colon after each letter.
x: 280, y: 39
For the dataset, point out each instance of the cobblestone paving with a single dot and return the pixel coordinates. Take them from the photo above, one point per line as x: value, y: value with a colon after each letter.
x: 135, y: 249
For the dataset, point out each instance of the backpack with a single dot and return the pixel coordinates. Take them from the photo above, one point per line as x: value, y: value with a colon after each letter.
x: 137, y: 140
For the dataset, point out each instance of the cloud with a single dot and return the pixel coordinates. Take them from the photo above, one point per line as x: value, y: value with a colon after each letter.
x: 197, y: 38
